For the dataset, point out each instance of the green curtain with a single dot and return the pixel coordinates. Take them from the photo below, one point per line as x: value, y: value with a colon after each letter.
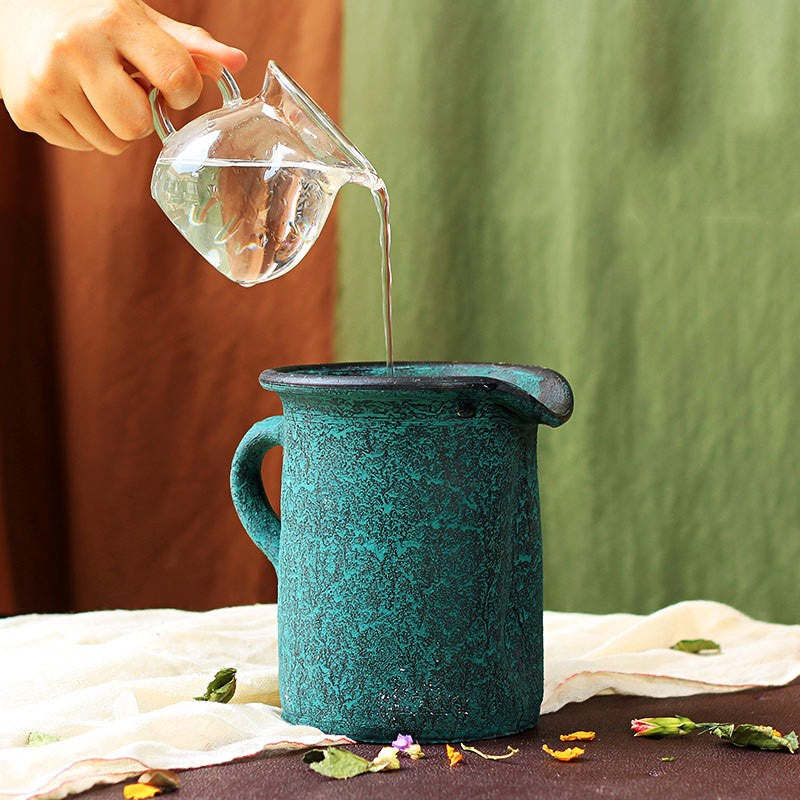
x: 610, y: 188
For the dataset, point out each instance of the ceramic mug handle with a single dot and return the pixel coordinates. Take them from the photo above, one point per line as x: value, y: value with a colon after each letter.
x: 227, y: 86
x: 249, y: 498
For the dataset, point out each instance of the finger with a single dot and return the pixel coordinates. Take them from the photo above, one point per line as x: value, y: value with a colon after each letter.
x: 119, y: 100
x: 60, y: 133
x: 199, y: 41
x: 47, y: 123
x: 163, y: 61
x: 80, y: 113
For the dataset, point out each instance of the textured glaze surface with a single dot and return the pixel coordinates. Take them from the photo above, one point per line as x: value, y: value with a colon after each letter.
x: 409, y: 554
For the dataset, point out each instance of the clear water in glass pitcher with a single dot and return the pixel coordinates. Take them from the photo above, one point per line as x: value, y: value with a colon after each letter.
x: 253, y: 221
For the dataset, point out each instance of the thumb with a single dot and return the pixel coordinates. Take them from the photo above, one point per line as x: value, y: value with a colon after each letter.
x: 199, y: 41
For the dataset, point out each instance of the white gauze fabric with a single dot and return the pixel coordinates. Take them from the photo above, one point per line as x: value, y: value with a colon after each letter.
x: 117, y: 687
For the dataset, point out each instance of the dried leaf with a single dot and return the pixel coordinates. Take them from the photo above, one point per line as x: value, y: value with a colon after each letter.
x: 564, y: 755
x: 222, y: 687
x: 697, y: 646
x: 454, y: 755
x: 578, y: 736
x: 140, y: 791
x: 764, y: 737
x: 512, y: 751
x: 337, y: 762
x: 667, y: 758
x: 38, y: 738
x: 162, y: 778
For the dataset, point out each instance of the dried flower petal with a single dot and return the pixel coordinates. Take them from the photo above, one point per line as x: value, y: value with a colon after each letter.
x: 163, y: 778
x: 140, y: 791
x: 454, y: 755
x: 406, y: 744
x: 386, y: 759
x: 403, y: 741
x: 414, y: 751
x: 564, y: 755
x: 578, y: 736
x: 512, y: 751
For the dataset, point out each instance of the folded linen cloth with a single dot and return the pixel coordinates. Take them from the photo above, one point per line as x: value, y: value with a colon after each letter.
x: 116, y: 687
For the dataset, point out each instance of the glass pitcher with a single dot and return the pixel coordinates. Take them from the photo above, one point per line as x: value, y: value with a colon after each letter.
x: 250, y: 185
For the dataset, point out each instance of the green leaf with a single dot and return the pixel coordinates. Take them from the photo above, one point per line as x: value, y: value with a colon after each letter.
x: 697, y: 646
x: 336, y: 762
x: 38, y: 738
x: 761, y: 736
x: 222, y: 687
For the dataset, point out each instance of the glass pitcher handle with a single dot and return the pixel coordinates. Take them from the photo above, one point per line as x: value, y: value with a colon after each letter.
x: 206, y: 66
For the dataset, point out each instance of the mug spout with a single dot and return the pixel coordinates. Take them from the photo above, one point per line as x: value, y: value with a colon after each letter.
x: 539, y: 395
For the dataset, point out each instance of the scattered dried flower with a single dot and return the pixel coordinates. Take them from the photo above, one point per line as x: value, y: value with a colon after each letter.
x: 403, y: 741
x: 564, y: 755
x: 454, y: 755
x: 386, y: 759
x: 578, y: 736
x: 662, y: 726
x: 764, y: 737
x: 406, y: 744
x: 162, y: 778
x: 140, y: 791
x: 512, y: 751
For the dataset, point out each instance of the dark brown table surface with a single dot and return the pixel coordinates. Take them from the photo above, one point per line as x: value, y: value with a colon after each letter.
x: 615, y: 765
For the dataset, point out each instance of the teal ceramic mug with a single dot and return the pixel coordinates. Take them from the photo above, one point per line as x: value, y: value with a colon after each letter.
x: 408, y: 550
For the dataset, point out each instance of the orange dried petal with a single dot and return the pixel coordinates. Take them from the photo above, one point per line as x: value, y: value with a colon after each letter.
x: 455, y: 756
x: 578, y: 736
x: 776, y: 732
x: 140, y: 791
x: 564, y: 755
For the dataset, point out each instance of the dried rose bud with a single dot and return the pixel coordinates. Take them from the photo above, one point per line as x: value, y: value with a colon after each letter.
x: 662, y: 726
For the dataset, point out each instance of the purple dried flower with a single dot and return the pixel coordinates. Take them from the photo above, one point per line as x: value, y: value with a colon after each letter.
x: 403, y: 741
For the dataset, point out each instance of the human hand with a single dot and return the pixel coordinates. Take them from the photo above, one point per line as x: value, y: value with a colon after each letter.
x: 66, y: 68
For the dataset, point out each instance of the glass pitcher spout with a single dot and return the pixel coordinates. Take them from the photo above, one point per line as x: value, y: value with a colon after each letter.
x: 324, y: 140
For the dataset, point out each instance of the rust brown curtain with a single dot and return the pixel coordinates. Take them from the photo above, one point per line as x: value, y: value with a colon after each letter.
x: 129, y: 366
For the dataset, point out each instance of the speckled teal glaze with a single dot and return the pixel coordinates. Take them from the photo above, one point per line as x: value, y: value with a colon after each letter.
x: 409, y: 551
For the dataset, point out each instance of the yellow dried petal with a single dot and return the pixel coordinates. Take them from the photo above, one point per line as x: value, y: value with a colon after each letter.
x: 455, y: 756
x: 564, y: 755
x: 776, y: 732
x: 140, y: 791
x: 578, y: 736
